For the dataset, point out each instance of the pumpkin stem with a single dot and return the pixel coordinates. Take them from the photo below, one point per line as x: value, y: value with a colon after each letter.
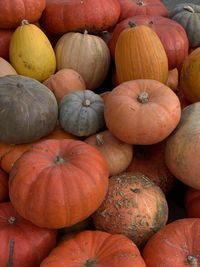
x: 99, y: 139
x: 140, y: 3
x: 12, y: 220
x: 189, y: 8
x: 24, y: 22
x: 90, y: 263
x: 86, y: 103
x: 11, y: 253
x: 85, y: 32
x: 59, y: 160
x: 151, y: 23
x: 192, y: 261
x: 132, y: 24
x: 143, y: 97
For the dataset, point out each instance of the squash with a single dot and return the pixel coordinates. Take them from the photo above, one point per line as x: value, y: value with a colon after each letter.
x: 6, y: 68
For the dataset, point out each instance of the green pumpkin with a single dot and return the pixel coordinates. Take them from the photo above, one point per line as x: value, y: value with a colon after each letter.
x: 28, y: 109
x: 81, y: 113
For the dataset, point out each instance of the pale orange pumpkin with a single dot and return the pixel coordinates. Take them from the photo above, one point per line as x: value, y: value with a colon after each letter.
x: 6, y: 68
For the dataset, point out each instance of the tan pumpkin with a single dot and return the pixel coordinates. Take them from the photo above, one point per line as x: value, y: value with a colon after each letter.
x: 6, y: 68
x: 65, y: 81
x: 85, y: 53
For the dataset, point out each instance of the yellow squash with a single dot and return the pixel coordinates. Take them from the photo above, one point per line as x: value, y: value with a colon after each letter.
x: 31, y: 53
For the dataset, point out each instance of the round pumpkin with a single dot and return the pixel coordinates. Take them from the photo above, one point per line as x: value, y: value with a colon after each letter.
x: 134, y: 206
x: 65, y: 81
x: 6, y: 68
x: 85, y: 53
x: 4, y: 196
x: 95, y: 248
x: 31, y: 53
x: 81, y: 113
x: 117, y: 153
x: 192, y: 202
x: 57, y: 183
x: 139, y: 54
x: 131, y: 112
x: 176, y: 244
x: 5, y: 37
x: 28, y: 109
x: 62, y: 16
x: 182, y: 147
x: 22, y: 243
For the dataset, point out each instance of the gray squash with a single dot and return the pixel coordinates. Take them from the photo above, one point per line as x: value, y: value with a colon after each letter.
x: 188, y: 15
x: 28, y: 109
x: 81, y: 113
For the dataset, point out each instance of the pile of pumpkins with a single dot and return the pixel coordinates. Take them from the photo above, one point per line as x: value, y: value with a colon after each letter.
x: 99, y: 125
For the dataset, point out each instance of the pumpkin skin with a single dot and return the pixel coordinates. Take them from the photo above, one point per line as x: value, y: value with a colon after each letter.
x: 92, y: 16
x: 95, y: 248
x: 81, y: 113
x: 183, y: 143
x: 138, y: 45
x: 192, y: 202
x: 117, y: 153
x: 172, y: 36
x: 81, y: 52
x: 60, y: 166
x: 132, y: 108
x: 31, y: 243
x: 134, y: 206
x: 65, y: 81
x: 5, y: 37
x: 31, y: 53
x: 176, y: 244
x: 142, y: 7
x: 20, y: 120
x: 14, y: 11
x: 3, y: 186
x: 187, y: 14
x: 6, y: 68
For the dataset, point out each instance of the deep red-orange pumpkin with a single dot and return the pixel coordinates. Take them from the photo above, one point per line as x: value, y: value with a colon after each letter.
x: 3, y: 186
x: 22, y: 243
x: 5, y: 37
x: 192, y: 202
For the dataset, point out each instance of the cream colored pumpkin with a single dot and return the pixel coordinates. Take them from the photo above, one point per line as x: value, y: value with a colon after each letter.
x: 87, y: 54
x: 31, y: 53
x: 6, y: 68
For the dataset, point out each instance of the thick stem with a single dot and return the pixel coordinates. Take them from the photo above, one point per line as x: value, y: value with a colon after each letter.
x: 143, y: 97
x: 132, y: 24
x: 90, y: 263
x: 11, y: 253
x: 24, y: 22
x: 59, y: 160
x: 189, y: 8
x: 12, y: 220
x: 192, y: 261
x: 99, y: 140
x: 86, y: 103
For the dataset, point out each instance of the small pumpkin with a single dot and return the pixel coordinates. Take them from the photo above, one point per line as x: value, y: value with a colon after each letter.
x: 6, y: 68
x: 173, y: 79
x: 5, y: 37
x: 192, y: 202
x: 4, y: 195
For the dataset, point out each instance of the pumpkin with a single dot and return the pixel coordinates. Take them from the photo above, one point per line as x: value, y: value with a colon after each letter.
x: 187, y: 14
x: 134, y: 206
x: 95, y: 248
x: 31, y: 53
x: 5, y: 37
x: 172, y: 36
x: 54, y: 186
x: 150, y: 161
x: 173, y: 79
x: 183, y: 143
x: 14, y: 11
x: 131, y: 112
x: 117, y: 153
x: 81, y: 113
x: 192, y: 202
x: 28, y: 109
x: 85, y: 53
x: 176, y: 244
x: 22, y: 243
x: 184, y: 102
x: 65, y: 81
x: 190, y: 78
x: 6, y: 68
x: 3, y: 186
x: 62, y: 16
x: 139, y: 54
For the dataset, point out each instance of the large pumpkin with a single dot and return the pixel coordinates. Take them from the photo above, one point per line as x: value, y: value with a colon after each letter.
x: 28, y: 109
x: 131, y: 111
x: 95, y: 248
x: 192, y: 202
x: 58, y: 183
x: 61, y: 16
x: 176, y: 244
x: 85, y: 53
x: 22, y: 243
x: 4, y: 196
x: 139, y: 54
x: 5, y: 37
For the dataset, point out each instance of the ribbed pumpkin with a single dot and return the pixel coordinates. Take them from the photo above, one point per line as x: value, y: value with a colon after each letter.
x: 4, y: 196
x: 139, y: 54
x: 58, y: 183
x: 31, y: 53
x: 5, y: 37
x: 28, y: 109
x: 6, y: 68
x: 81, y: 113
x: 85, y: 53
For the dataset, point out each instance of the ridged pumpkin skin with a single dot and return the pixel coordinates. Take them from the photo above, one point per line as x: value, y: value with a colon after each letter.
x: 64, y: 16
x: 134, y: 206
x: 5, y: 37
x: 14, y: 11
x: 81, y: 113
x: 192, y: 203
x: 6, y: 68
x: 176, y: 244
x: 58, y: 183
x: 31, y: 53
x: 182, y: 148
x: 28, y: 110
x: 95, y: 248
x: 87, y: 54
x: 4, y: 196
x: 131, y: 112
x: 139, y: 54
x: 30, y: 244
